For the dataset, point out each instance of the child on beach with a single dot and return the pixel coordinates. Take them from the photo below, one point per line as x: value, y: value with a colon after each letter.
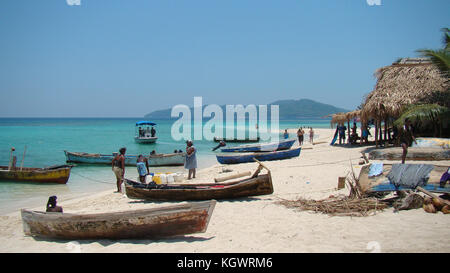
x: 286, y: 134
x: 142, y: 167
x: 311, y: 135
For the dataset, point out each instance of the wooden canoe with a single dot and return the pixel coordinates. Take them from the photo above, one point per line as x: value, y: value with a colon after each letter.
x: 144, y: 223
x: 172, y: 159
x: 257, y: 184
x: 236, y: 140
x: 381, y: 183
x: 262, y: 156
x: 414, y: 153
x: 261, y: 147
x: 55, y: 174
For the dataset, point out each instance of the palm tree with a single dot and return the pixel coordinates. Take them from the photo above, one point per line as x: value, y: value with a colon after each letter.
x: 423, y: 114
x: 440, y: 57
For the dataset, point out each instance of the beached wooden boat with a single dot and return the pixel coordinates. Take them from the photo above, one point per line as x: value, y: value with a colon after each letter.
x: 257, y: 184
x: 144, y: 223
x: 173, y: 159
x: 261, y: 147
x: 262, y: 156
x: 414, y: 153
x: 54, y: 174
x: 381, y: 183
x: 236, y: 140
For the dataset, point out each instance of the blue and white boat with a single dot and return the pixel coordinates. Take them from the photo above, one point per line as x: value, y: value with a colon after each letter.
x: 173, y: 159
x: 262, y: 156
x: 144, y: 134
x: 261, y: 147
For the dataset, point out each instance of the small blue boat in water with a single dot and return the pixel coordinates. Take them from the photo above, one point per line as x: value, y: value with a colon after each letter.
x: 262, y: 156
x: 261, y: 147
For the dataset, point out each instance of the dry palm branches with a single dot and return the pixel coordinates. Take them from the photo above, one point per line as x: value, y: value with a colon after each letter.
x: 355, y: 204
x: 338, y: 206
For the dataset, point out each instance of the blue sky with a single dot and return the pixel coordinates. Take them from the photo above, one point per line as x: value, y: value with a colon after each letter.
x: 118, y: 58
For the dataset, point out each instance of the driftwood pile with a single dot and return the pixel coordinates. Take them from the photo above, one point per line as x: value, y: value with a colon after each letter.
x: 338, y: 206
x: 357, y: 203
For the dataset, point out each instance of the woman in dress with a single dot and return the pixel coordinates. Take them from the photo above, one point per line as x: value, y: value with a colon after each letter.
x: 191, y: 159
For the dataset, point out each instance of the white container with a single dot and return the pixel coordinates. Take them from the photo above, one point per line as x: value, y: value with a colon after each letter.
x: 178, y: 177
x: 163, y: 177
x: 170, y: 178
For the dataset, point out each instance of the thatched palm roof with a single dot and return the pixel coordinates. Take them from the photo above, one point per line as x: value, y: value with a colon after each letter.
x: 402, y: 83
x: 345, y: 117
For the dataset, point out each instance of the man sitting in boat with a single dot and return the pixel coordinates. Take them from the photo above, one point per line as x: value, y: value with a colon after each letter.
x: 51, y: 205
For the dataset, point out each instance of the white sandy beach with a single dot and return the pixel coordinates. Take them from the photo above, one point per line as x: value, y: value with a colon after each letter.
x: 258, y: 224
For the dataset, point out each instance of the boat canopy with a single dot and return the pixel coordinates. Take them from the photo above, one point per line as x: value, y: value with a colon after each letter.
x: 139, y: 123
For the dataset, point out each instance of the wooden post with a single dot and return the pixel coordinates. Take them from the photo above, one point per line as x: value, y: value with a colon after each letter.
x: 376, y: 133
x: 11, y: 158
x: 23, y: 157
x: 221, y: 179
x: 348, y: 127
x: 380, y: 138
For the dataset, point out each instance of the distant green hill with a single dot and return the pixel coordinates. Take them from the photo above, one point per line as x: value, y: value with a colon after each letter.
x: 289, y: 110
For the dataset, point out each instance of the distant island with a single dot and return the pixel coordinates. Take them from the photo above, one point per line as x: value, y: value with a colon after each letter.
x: 289, y: 110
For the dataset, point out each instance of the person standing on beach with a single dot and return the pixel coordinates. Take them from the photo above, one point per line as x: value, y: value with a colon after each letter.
x: 118, y: 167
x: 286, y: 134
x: 142, y: 167
x: 406, y: 138
x: 300, y: 136
x: 342, y: 128
x: 311, y: 135
x: 191, y: 159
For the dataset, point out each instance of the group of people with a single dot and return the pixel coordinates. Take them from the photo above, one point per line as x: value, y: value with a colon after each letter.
x: 301, y: 135
x: 147, y: 132
x: 404, y: 135
x: 341, y: 128
x: 118, y: 164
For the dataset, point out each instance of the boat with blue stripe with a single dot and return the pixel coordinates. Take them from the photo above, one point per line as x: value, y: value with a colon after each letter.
x: 261, y: 156
x: 261, y: 147
x: 172, y: 159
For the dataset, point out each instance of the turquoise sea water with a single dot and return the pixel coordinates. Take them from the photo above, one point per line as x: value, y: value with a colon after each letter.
x: 46, y: 139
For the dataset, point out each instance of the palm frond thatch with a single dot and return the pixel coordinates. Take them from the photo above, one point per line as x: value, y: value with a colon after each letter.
x: 422, y: 113
x: 405, y: 83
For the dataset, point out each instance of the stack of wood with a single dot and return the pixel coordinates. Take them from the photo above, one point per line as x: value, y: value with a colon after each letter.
x: 433, y: 205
